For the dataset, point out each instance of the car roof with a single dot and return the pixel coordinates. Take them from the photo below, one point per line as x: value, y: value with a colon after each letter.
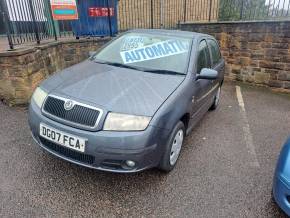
x: 171, y: 32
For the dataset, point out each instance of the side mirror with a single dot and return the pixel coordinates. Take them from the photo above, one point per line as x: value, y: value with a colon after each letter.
x: 208, y: 74
x: 91, y: 53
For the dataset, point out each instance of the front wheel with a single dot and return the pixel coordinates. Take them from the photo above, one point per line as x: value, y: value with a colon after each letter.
x: 173, y: 148
x: 216, y: 99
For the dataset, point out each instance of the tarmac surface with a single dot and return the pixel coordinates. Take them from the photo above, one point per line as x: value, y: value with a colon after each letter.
x: 225, y: 168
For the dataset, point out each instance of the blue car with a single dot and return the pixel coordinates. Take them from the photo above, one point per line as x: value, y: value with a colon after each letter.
x: 281, y: 183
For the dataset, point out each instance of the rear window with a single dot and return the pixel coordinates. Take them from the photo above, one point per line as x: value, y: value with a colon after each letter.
x: 150, y: 51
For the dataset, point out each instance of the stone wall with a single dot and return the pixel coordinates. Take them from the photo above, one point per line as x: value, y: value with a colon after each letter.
x: 22, y: 70
x: 255, y: 52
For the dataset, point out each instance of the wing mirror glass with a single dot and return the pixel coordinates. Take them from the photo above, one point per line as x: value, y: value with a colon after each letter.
x: 208, y: 74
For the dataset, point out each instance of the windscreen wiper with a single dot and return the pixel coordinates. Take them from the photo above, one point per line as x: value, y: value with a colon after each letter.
x: 170, y: 72
x: 159, y: 71
x: 115, y: 64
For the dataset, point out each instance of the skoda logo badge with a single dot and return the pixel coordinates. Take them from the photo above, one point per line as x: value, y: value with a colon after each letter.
x: 68, y: 105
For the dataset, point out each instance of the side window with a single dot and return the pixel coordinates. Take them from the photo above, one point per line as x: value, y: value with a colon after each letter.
x: 203, y: 60
x: 215, y: 51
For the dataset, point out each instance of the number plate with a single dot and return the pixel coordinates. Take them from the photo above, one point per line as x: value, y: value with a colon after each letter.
x: 61, y: 138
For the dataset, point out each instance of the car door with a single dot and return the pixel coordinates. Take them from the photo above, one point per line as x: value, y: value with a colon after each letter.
x: 202, y: 87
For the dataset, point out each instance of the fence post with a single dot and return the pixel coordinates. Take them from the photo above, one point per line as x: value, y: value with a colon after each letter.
x: 6, y: 21
x: 178, y: 25
x: 109, y: 18
x: 161, y: 14
x: 184, y: 11
x: 242, y: 9
x: 210, y: 8
x: 52, y: 21
x: 34, y: 22
x: 152, y: 15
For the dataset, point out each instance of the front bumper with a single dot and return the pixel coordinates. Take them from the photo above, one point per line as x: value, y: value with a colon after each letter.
x: 105, y: 150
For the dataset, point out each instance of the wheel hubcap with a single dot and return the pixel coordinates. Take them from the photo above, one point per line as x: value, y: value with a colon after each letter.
x: 176, y: 147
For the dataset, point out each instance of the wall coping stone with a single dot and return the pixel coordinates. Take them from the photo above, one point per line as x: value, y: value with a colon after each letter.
x: 236, y: 22
x: 23, y: 51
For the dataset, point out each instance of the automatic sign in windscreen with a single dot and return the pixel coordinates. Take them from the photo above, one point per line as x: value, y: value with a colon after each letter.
x: 148, y: 51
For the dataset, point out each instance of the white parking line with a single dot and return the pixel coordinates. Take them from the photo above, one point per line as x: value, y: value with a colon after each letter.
x: 246, y: 129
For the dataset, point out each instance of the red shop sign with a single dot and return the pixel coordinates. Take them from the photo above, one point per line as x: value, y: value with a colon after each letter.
x: 100, y: 12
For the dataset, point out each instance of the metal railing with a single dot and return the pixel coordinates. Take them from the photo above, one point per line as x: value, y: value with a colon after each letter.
x: 31, y: 21
x: 164, y: 13
x: 168, y: 13
x: 232, y: 10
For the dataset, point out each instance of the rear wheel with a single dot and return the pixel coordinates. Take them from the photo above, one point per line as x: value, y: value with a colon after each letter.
x: 216, y: 99
x: 173, y: 148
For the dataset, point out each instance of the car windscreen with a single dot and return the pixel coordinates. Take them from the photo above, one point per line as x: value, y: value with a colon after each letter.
x: 148, y: 51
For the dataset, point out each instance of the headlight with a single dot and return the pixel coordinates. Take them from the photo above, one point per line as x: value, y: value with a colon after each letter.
x: 39, y: 96
x: 124, y: 122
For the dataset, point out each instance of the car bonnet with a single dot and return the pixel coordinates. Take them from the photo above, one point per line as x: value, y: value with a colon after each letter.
x: 113, y: 88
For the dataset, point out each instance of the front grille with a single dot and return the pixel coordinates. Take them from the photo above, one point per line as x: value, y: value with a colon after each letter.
x: 78, y: 114
x: 80, y: 157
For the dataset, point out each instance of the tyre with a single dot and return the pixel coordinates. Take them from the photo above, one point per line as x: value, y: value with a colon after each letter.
x: 173, y: 148
x: 216, y: 99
